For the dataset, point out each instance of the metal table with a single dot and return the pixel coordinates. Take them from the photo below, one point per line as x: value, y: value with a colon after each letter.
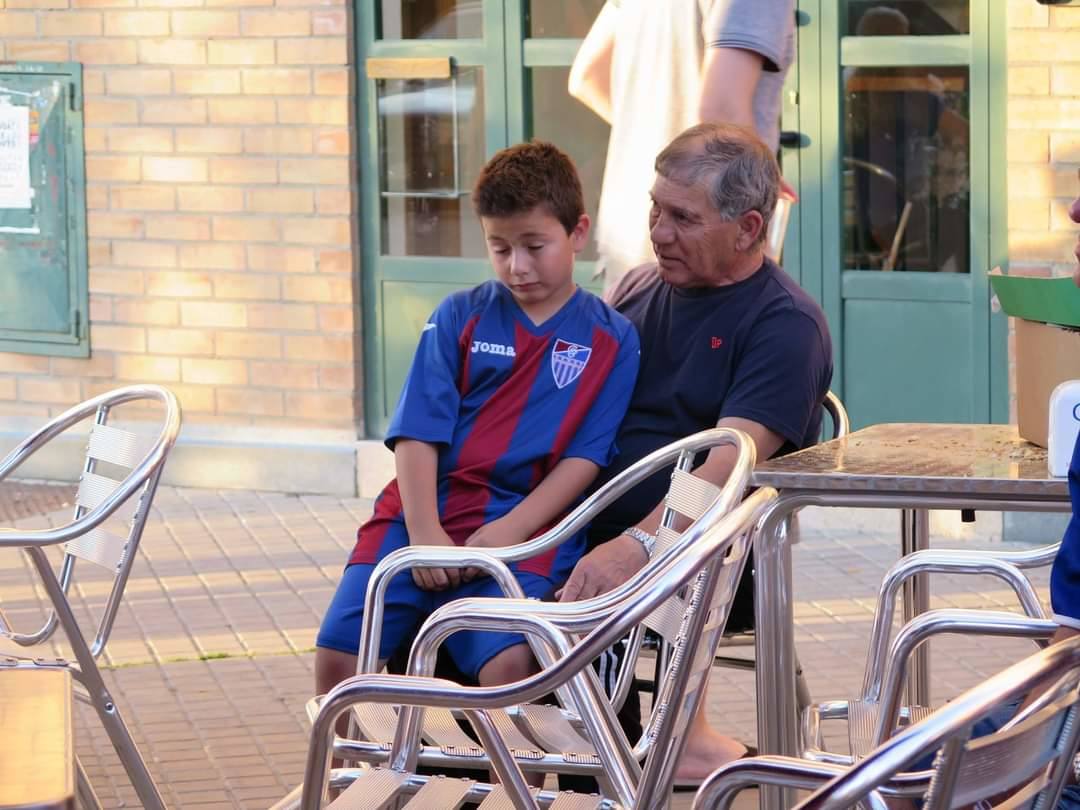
x: 911, y: 467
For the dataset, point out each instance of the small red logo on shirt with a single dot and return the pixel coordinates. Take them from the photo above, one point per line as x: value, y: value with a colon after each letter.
x: 717, y: 342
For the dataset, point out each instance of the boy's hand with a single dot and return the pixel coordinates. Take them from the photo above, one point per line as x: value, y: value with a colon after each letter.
x: 435, y: 579
x: 497, y: 534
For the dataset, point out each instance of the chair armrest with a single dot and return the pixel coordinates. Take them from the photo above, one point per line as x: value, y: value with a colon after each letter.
x: 720, y: 788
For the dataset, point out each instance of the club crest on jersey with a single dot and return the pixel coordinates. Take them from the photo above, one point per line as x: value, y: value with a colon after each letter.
x: 568, y: 361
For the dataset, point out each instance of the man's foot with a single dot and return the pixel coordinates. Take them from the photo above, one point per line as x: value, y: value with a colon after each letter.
x: 705, y: 752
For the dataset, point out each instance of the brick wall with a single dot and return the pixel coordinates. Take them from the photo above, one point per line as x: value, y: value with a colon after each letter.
x: 1043, y: 140
x: 219, y: 197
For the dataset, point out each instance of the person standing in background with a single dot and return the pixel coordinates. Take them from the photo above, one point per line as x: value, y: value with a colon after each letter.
x: 653, y: 68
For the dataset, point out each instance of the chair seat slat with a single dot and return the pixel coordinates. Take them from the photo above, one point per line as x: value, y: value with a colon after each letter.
x: 550, y: 727
x: 100, y: 547
x: 115, y: 446
x: 578, y: 801
x: 378, y: 789
x: 498, y: 799
x: 690, y: 495
x: 93, y: 489
x: 440, y: 793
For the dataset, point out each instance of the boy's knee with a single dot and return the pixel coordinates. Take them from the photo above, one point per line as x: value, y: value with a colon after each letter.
x: 512, y: 664
x: 331, y: 668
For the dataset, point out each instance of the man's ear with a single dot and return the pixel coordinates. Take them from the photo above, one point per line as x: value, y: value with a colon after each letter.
x: 579, y: 237
x: 751, y: 225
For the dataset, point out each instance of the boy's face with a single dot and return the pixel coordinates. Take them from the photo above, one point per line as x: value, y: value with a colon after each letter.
x: 533, y: 255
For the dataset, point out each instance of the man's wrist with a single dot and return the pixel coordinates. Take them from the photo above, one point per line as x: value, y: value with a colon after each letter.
x: 646, y: 541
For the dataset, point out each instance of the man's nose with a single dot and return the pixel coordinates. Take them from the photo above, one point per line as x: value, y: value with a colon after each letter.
x: 660, y: 231
x: 1074, y: 211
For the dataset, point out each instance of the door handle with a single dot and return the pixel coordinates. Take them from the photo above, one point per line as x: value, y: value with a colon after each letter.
x: 792, y: 139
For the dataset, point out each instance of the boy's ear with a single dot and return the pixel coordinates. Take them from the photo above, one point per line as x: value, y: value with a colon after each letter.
x: 579, y: 237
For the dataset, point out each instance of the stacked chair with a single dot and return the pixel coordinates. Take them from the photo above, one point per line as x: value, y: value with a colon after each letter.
x: 684, y: 593
x: 120, y: 474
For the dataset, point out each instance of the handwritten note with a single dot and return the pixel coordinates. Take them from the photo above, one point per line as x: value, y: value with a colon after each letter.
x: 15, y: 189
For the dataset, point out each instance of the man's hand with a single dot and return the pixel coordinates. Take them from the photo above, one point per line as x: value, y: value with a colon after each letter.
x: 605, y: 567
x: 496, y: 534
x: 435, y: 579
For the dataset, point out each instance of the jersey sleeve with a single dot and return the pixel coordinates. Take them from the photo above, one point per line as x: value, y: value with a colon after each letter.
x: 782, y: 377
x: 428, y: 407
x: 761, y: 26
x: 595, y: 439
x: 1065, y: 575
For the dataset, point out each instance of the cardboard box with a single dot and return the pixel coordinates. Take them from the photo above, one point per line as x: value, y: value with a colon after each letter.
x: 1047, y: 318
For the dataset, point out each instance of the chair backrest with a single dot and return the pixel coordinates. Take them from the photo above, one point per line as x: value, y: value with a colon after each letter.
x: 1024, y: 764
x: 120, y: 474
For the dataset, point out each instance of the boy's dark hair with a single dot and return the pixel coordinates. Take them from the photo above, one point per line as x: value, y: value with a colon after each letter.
x: 519, y: 178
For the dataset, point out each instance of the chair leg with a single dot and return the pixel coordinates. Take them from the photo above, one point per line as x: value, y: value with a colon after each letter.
x: 802, y: 689
x: 85, y: 793
x: 141, y: 778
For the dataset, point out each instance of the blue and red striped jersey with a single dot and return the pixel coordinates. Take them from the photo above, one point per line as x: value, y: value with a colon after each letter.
x: 504, y: 401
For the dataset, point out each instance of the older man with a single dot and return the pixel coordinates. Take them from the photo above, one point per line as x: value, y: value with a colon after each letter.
x: 727, y: 338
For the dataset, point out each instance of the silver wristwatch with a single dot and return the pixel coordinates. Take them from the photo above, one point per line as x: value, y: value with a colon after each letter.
x: 648, y: 541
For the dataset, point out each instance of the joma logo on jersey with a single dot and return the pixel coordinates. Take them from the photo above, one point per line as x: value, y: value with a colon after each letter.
x: 568, y: 361
x: 492, y: 348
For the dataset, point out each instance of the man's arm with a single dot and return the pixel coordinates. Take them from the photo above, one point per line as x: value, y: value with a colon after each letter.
x: 614, y: 562
x: 416, y: 464
x: 729, y: 79
x: 590, y: 74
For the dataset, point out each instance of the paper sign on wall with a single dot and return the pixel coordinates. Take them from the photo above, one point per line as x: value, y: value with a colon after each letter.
x: 15, y: 189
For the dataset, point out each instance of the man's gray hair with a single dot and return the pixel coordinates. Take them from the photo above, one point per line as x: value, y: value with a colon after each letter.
x: 740, y: 170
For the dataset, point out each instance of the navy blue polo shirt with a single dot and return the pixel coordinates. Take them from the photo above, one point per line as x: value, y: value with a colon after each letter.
x: 1065, y: 576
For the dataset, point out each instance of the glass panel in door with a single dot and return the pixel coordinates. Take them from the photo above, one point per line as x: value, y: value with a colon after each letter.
x: 431, y: 19
x: 880, y: 18
x: 562, y: 18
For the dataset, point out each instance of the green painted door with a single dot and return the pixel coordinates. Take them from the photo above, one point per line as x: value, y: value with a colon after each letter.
x: 900, y: 166
x: 444, y: 84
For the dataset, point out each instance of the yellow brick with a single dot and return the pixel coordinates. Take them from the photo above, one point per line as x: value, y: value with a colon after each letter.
x: 321, y: 348
x: 210, y: 198
x: 38, y: 50
x: 136, y: 23
x: 97, y: 196
x: 172, y: 52
x: 243, y: 170
x: 138, y: 82
x: 100, y: 111
x: 99, y: 252
x: 1046, y: 246
x: 250, y: 402
x: 1041, y: 47
x: 278, y: 141
x: 1029, y: 181
x: 94, y: 139
x: 147, y: 368
x: 107, y: 52
x: 209, y: 140
x: 295, y: 317
x: 101, y: 224
x: 1022, y: 14
x: 67, y: 392
x: 276, y: 23
x: 128, y: 282
x: 8, y: 388
x: 337, y: 378
x: 178, y: 285
x: 320, y: 288
x: 332, y: 83
x: 219, y: 81
x: 214, y: 372
x: 241, y: 52
x: 143, y: 254
x: 281, y: 258
x: 211, y: 256
x: 37, y: 4
x: 1065, y: 79
x: 97, y: 365
x: 242, y: 111
x: 332, y: 142
x: 143, y: 198
x: 180, y: 341
x: 102, y: 3
x: 285, y: 375
x: 194, y: 398
x: 335, y: 261
x: 313, y: 111
x: 320, y: 406
x: 1064, y: 18
x: 1029, y: 80
x: 18, y: 24
x: 205, y: 23
x: 1029, y: 215
x: 282, y: 201
x: 277, y: 81
x: 313, y: 51
x: 118, y: 338
x: 71, y: 24
x: 247, y: 287
x: 334, y: 201
x: 213, y: 313
x: 140, y: 139
x: 336, y: 319
x: 1063, y: 183
x: 109, y: 169
x: 94, y: 82
x: 174, y: 111
x: 322, y: 231
x: 39, y: 412
x: 23, y: 363
x: 1027, y: 147
x: 175, y: 169
x: 1059, y: 216
x: 315, y: 171
x: 146, y: 311
x: 1065, y: 147
x: 329, y: 22
x: 100, y: 309
x: 248, y: 344
x: 245, y: 229
x: 181, y: 228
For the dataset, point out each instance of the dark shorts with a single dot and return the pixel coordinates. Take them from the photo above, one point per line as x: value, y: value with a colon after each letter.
x: 406, y: 608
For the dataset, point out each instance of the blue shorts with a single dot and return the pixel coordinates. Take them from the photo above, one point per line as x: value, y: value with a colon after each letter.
x: 406, y: 608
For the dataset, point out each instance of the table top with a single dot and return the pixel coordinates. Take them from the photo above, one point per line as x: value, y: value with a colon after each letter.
x: 951, y: 460
x: 37, y: 752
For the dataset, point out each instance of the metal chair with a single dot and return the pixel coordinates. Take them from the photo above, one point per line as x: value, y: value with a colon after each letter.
x: 120, y: 468
x: 876, y: 711
x: 705, y: 564
x: 1022, y: 765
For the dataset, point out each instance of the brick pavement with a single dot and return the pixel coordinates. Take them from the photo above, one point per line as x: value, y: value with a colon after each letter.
x: 211, y: 658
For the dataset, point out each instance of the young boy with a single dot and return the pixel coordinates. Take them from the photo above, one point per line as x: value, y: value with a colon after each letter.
x: 508, y: 412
